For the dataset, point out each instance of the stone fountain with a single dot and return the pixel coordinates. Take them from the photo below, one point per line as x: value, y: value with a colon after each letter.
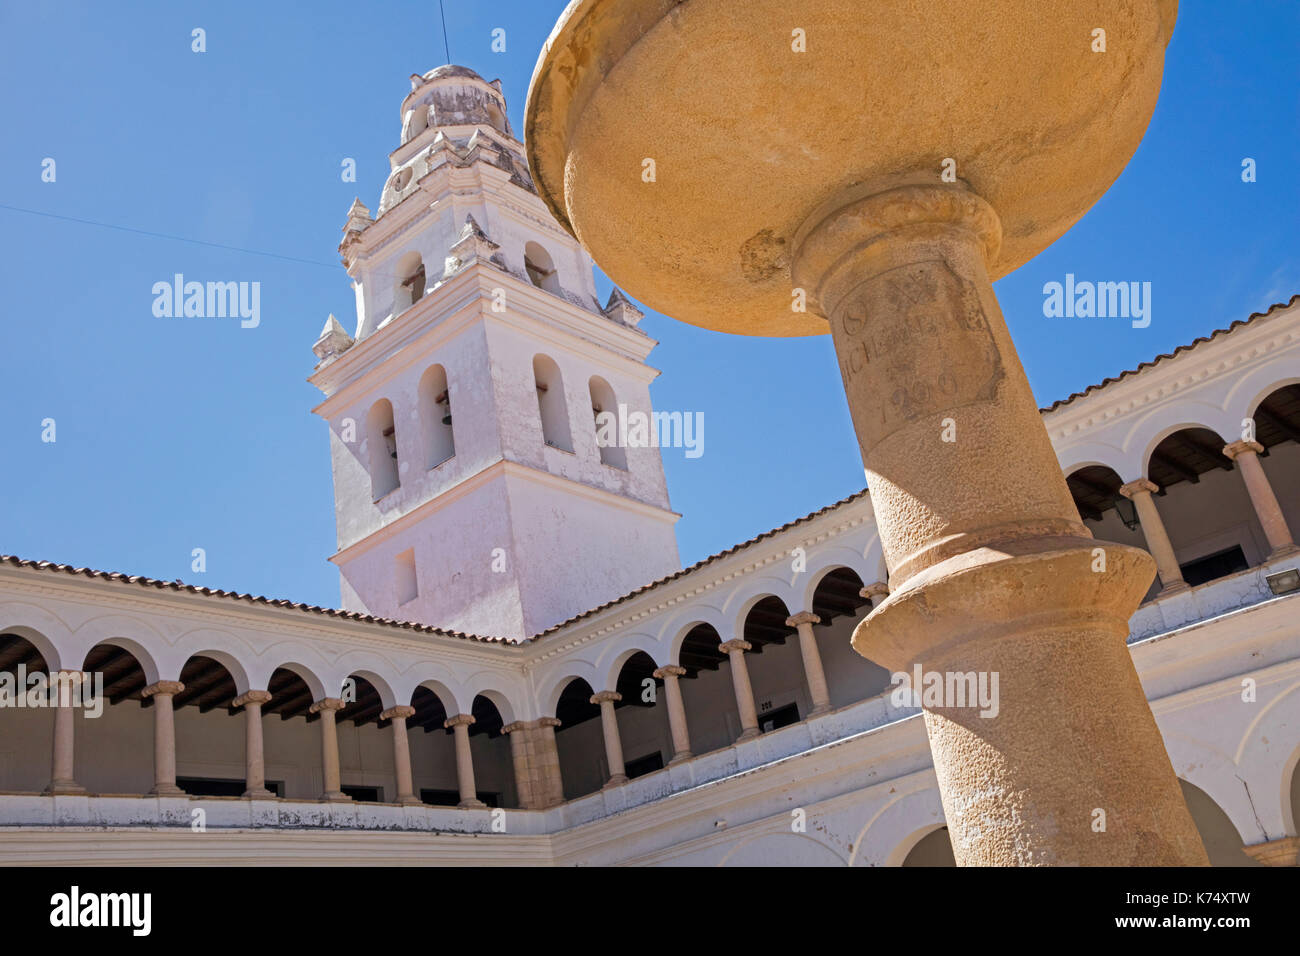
x: 868, y: 169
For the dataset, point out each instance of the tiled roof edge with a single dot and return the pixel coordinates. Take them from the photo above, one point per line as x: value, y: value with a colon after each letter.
x: 143, y: 581
x: 1061, y: 402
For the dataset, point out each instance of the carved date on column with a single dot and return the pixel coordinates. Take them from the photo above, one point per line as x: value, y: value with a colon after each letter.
x: 913, y: 341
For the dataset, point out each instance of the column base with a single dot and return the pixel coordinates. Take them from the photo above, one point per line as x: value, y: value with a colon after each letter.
x: 472, y: 805
x: 819, y: 711
x: 260, y: 793
x: 1281, y: 852
x: 615, y: 781
x: 410, y: 801
x: 65, y: 787
x: 1285, y: 551
x: 167, y: 790
x: 1178, y: 588
x: 335, y: 796
x: 749, y: 734
x: 682, y: 757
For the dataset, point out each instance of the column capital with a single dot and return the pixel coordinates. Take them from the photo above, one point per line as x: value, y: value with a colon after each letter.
x: 803, y: 617
x: 460, y: 720
x: 401, y: 711
x: 517, y: 725
x: 548, y: 722
x: 873, y: 591
x: 612, y: 696
x: 167, y: 687
x: 1238, y: 447
x: 1284, y: 851
x: 252, y: 697
x: 669, y: 670
x: 1138, y: 486
x: 325, y: 703
x: 735, y: 644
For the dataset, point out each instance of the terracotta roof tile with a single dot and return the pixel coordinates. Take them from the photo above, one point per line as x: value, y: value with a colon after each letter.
x: 248, y: 598
x: 1168, y: 355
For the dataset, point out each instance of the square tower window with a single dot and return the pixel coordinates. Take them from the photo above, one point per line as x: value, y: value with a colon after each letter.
x: 408, y: 587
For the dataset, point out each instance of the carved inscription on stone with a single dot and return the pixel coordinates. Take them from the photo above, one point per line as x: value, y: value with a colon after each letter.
x: 913, y: 341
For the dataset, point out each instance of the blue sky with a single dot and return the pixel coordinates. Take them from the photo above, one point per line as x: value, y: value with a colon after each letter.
x: 173, y: 434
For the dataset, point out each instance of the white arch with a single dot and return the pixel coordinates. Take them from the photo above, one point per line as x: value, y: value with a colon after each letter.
x: 446, y: 694
x: 916, y: 813
x: 1078, y: 457
x: 309, y: 674
x: 675, y: 647
x: 1156, y: 427
x: 499, y: 701
x: 625, y: 652
x: 1267, y: 756
x: 827, y: 561
x: 227, y: 660
x: 550, y: 697
x: 1256, y: 385
x: 40, y: 628
x: 1215, y: 774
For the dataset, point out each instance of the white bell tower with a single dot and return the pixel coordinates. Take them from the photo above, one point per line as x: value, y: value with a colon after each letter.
x: 470, y: 490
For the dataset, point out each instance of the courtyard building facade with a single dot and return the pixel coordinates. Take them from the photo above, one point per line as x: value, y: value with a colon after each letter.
x: 521, y: 671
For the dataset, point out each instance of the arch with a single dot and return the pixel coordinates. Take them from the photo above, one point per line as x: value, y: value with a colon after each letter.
x: 1268, y: 760
x: 408, y: 281
x: 444, y: 693
x: 606, y: 413
x: 541, y: 268
x: 549, y: 698
x: 782, y: 849
x: 417, y: 120
x: 551, y: 405
x: 917, y: 812
x: 1095, y: 490
x: 1220, y: 836
x: 769, y: 599
x: 36, y: 636
x: 497, y: 117
x: 137, y: 650
x: 1090, y: 454
x: 304, y: 673
x: 697, y: 624
x: 387, y: 698
x: 932, y: 849
x: 1254, y: 387
x: 611, y: 672
x: 382, y: 437
x: 228, y: 661
x: 1144, y: 436
x: 828, y: 562
x: 498, y: 700
x: 435, y: 416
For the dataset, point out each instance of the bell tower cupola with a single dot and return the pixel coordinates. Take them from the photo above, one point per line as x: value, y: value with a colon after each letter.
x: 472, y: 490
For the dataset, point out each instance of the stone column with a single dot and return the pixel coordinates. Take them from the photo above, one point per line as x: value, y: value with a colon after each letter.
x: 1153, y: 529
x: 676, y: 712
x: 613, y: 745
x: 402, y: 753
x: 164, y: 736
x: 991, y: 570
x: 735, y: 649
x: 875, y: 593
x: 1284, y: 851
x: 254, y: 756
x: 812, y: 661
x: 544, y: 760
x: 329, y: 748
x: 1269, y: 512
x: 518, y: 732
x: 65, y: 694
x: 464, y: 761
